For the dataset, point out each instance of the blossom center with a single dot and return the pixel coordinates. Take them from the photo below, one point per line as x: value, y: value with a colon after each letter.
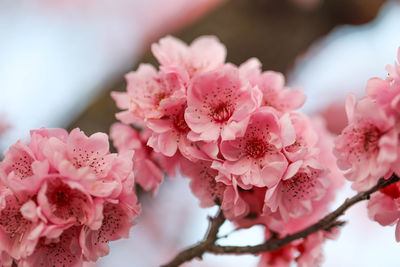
x: 256, y: 148
x: 222, y: 112
x: 179, y: 122
x: 363, y: 139
x: 61, y: 195
x: 371, y: 138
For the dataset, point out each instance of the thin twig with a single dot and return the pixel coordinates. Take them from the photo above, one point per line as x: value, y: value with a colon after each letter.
x: 325, y: 224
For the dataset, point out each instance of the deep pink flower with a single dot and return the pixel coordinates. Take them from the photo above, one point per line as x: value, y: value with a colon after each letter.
x: 282, y: 257
x: 272, y: 86
x: 219, y: 104
x: 384, y: 207
x: 305, y: 252
x: 205, y: 53
x: 367, y: 147
x: 256, y: 157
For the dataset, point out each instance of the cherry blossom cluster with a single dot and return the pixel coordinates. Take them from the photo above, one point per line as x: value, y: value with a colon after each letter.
x: 63, y: 197
x: 368, y: 148
x: 233, y: 131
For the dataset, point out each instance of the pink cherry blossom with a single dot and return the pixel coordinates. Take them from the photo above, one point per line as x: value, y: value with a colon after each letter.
x: 368, y: 145
x: 305, y: 252
x: 282, y: 257
x: 387, y: 92
x: 306, y: 138
x: 219, y: 104
x: 384, y: 207
x: 148, y: 175
x: 311, y: 250
x: 272, y: 86
x: 205, y: 53
x: 20, y: 170
x: 203, y: 183
x: 54, y: 187
x: 170, y: 131
x: 232, y: 205
x: 15, y: 229
x: 302, y: 184
x: 64, y: 201
x: 256, y: 157
x: 64, y: 250
x: 116, y: 223
x: 147, y: 89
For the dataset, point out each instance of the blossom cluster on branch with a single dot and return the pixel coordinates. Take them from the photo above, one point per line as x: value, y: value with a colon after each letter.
x: 234, y: 132
x: 63, y: 197
x: 368, y: 148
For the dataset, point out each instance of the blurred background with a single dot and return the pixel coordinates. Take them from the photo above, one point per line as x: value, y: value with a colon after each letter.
x: 59, y: 60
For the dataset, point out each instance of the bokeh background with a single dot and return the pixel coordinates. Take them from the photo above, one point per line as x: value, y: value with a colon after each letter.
x: 59, y: 60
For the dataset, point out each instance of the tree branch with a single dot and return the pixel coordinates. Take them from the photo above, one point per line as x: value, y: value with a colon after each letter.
x: 325, y: 224
x: 200, y: 248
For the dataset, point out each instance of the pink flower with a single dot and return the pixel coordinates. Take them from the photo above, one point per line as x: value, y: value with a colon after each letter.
x: 21, y: 171
x: 311, y: 250
x: 306, y: 138
x: 116, y: 223
x: 387, y: 92
x: 282, y: 257
x: 256, y: 157
x: 233, y: 206
x: 219, y: 104
x: 320, y: 207
x: 61, y: 250
x: 203, y: 183
x: 368, y: 145
x: 303, y: 183
x: 205, y: 53
x: 148, y: 174
x: 58, y: 185
x: 64, y: 201
x: 272, y: 86
x: 17, y: 229
x: 384, y: 207
x: 306, y: 252
x: 147, y: 89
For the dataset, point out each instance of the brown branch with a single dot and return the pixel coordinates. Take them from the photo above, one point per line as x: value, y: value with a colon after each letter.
x: 325, y: 224
x: 200, y: 248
